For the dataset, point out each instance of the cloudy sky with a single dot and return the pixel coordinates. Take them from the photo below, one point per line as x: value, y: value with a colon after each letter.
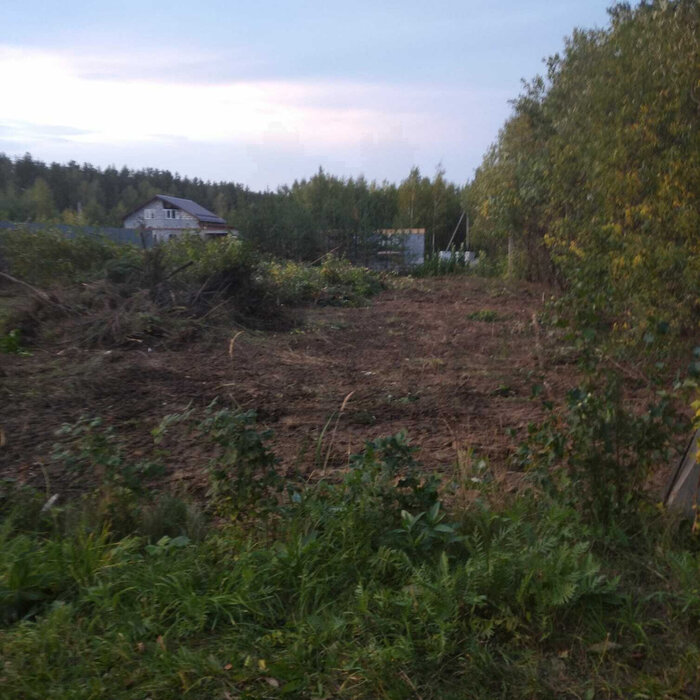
x: 264, y: 93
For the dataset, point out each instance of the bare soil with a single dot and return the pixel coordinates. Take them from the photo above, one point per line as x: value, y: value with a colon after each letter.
x: 420, y: 358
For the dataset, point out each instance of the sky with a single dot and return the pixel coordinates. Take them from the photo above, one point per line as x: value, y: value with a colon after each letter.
x: 263, y: 93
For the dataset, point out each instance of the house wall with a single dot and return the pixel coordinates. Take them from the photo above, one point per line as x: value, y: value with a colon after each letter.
x: 216, y: 230
x: 162, y: 228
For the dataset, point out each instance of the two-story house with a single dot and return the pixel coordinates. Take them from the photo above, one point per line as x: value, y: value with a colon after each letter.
x: 168, y: 217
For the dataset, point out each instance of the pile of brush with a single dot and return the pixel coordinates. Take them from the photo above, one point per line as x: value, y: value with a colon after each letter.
x: 141, y: 301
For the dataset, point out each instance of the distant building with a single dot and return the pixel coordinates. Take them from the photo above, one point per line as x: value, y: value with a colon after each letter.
x: 399, y: 248
x: 464, y: 257
x: 168, y: 217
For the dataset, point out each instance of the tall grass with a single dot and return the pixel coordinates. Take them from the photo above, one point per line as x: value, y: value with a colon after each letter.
x: 434, y: 266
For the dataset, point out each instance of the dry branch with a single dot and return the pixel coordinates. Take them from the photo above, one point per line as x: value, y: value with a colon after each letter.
x: 44, y: 296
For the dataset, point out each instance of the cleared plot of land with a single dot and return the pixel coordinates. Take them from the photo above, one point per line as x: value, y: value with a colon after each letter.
x: 452, y: 361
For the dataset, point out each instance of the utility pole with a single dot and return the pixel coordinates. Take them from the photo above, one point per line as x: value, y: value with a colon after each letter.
x: 455, y: 231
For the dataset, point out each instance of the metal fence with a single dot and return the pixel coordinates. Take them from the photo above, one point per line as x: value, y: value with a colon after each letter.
x: 126, y: 236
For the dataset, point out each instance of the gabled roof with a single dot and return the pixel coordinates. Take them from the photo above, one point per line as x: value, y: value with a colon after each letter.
x: 196, y: 210
x: 193, y: 208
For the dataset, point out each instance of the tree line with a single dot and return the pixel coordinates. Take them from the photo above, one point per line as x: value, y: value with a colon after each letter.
x: 302, y: 220
x: 594, y: 180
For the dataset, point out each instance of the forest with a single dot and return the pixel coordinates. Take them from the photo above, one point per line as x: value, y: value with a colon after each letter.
x: 300, y: 221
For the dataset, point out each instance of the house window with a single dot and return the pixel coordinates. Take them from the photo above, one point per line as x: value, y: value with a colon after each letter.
x: 171, y: 213
x: 149, y: 214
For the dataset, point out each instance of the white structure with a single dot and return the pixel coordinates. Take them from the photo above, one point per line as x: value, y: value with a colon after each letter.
x: 466, y: 257
x: 399, y: 248
x: 168, y: 217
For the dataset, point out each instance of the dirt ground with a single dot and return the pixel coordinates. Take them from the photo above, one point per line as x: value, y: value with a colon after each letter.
x: 451, y: 361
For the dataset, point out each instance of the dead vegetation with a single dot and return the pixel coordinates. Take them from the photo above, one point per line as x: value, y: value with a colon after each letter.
x: 420, y: 358
x: 145, y: 305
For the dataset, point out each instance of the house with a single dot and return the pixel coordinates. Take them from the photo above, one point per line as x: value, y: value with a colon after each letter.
x: 168, y: 217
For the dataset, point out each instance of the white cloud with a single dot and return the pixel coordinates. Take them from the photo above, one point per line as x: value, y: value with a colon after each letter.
x: 96, y: 102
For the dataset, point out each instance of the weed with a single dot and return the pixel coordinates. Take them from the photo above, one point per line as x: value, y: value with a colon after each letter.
x: 89, y: 449
x: 243, y: 477
x: 319, y: 444
x: 388, y: 469
x: 368, y: 586
x: 485, y: 315
x: 10, y: 344
x: 503, y: 390
x: 426, y: 532
x: 403, y: 400
x: 362, y: 417
x: 362, y: 586
x: 600, y: 453
x: 435, y: 266
x: 169, y: 516
x: 334, y: 283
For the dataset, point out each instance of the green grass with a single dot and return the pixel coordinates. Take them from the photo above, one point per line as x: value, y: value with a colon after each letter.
x: 11, y: 344
x: 485, y: 315
x: 369, y: 586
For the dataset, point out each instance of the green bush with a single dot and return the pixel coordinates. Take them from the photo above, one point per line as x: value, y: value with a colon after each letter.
x: 206, y: 257
x: 345, y: 595
x: 593, y: 181
x: 363, y: 585
x: 97, y: 453
x: 49, y: 257
x: 334, y: 283
x: 242, y: 475
x: 599, y: 454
